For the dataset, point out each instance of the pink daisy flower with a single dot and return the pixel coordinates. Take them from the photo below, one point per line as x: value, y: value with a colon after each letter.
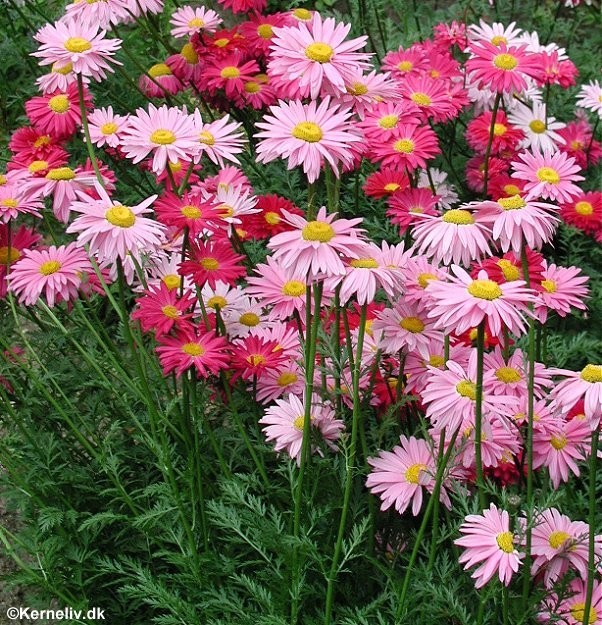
x: 211, y: 261
x: 548, y: 176
x: 316, y: 55
x: 104, y: 13
x: 20, y: 239
x: 15, y: 200
x: 417, y: 273
x: 105, y: 127
x: 563, y: 288
x: 253, y: 356
x: 79, y: 43
x: 404, y: 63
x: 583, y: 385
x: 463, y: 303
x: 571, y: 611
x: 284, y: 380
x: 457, y: 236
x: 229, y: 74
x: 222, y: 297
x: 168, y: 133
x: 590, y: 97
x: 247, y: 317
x: 204, y: 351
x: 314, y: 248
x: 489, y: 542
x: 307, y: 134
x: 430, y: 96
x: 113, y: 230
x: 283, y: 423
x: 400, y: 475
x: 55, y: 272
x: 160, y: 309
x: 159, y: 81
x: 363, y: 90
x: 27, y: 142
x: 385, y: 183
x: 383, y: 118
x: 58, y: 79
x: 188, y: 20
x: 188, y: 211
x: 406, y: 207
x: 510, y: 377
x: 408, y: 148
x: 220, y: 140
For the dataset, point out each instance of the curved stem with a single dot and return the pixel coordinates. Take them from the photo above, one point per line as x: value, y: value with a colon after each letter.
x: 496, y: 105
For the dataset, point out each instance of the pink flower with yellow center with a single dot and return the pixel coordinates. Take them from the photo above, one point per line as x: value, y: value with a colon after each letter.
x: 188, y: 20
x: 583, y: 385
x: 105, y: 127
x: 562, y: 288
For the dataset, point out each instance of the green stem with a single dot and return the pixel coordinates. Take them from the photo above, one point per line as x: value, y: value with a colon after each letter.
x: 496, y: 105
x: 479, y: 414
x: 592, y: 565
x: 435, y: 531
x: 505, y: 604
x: 82, y: 108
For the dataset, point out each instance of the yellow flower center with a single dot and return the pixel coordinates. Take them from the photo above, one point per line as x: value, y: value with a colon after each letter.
x: 412, y: 473
x: 193, y: 349
x: 508, y: 375
x: 190, y: 211
x: 49, y: 267
x: 160, y: 69
x: 499, y: 130
x: 174, y: 167
x: 265, y: 31
x: 388, y: 121
x: 505, y: 541
x: 59, y: 103
x: 511, y: 189
x: 162, y: 137
x: 465, y: 388
x: 509, y: 271
x: 549, y: 285
x: 435, y: 360
x: 217, y: 301
x: 5, y: 259
x: 209, y: 264
x: 230, y: 72
x: 319, y: 52
x: 584, y: 208
x: 41, y: 141
x: 307, y: 131
x: 170, y: 311
x: 172, y: 281
x: 558, y: 442
x: 77, y: 45
x: 498, y: 39
x: 302, y: 14
x: 421, y: 99
x: 505, y: 61
x: 189, y: 54
x: 458, y: 216
x: 557, y: 539
x: 405, y: 66
x: 318, y: 231
x: 287, y: 378
x: 60, y: 173
x: 249, y: 319
x: 300, y: 421
x: 64, y: 70
x: 537, y: 126
x: 293, y: 288
x: 592, y: 373
x: 196, y: 22
x: 252, y: 87
x: 512, y: 203
x: 222, y: 43
x: 578, y: 613
x: 256, y: 359
x: 364, y: 263
x: 548, y: 174
x: 390, y: 187
x: 425, y: 278
x: 109, y: 128
x: 120, y: 216
x: 207, y: 138
x: 272, y: 218
x: 404, y: 146
x: 9, y: 203
x: 412, y: 324
x: 357, y: 88
x: 577, y: 145
x: 485, y: 289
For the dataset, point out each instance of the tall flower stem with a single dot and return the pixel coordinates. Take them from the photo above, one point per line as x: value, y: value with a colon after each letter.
x: 436, y: 491
x: 82, y: 108
x: 478, y: 426
x: 350, y: 463
x: 591, y: 561
x: 496, y: 106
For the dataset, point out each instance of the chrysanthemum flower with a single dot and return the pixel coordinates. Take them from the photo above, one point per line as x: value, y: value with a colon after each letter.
x: 501, y: 68
x: 55, y: 272
x: 456, y: 236
x: 142, y: 7
x: 316, y: 55
x: 16, y: 200
x: 584, y: 212
x: 229, y: 74
x: 211, y: 261
x: 580, y: 144
x: 204, y: 351
x: 168, y: 133
x: 285, y: 379
x: 417, y: 274
x: 403, y: 63
x: 221, y: 139
x: 79, y: 43
x: 363, y: 90
x: 284, y: 422
x: 510, y: 376
x: 253, y: 356
x: 408, y: 148
x: 21, y: 239
x: 259, y: 31
x: 159, y: 81
x: 571, y: 609
x: 463, y: 303
x: 307, y: 134
x: 222, y: 298
x: 590, y: 97
x: 496, y: 33
x: 187, y: 211
x: 246, y: 317
x: 186, y: 65
x: 113, y: 230
x: 406, y: 207
x: 489, y: 542
x: 563, y: 288
x: 385, y: 183
x: 232, y: 203
x: 381, y: 121
x: 539, y: 129
x: 549, y: 176
x: 430, y: 96
x: 104, y: 12
x: 160, y: 309
x: 315, y: 247
x: 583, y: 385
x: 259, y: 92
x: 270, y: 219
x: 58, y: 79
x: 475, y: 171
x: 400, y: 475
x: 105, y: 127
x: 505, y: 136
x: 27, y: 142
x: 188, y: 20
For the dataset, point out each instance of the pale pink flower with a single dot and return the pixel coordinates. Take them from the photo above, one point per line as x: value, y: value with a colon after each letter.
x: 188, y: 20
x: 400, y: 475
x: 101, y: 12
x: 563, y: 288
x: 586, y: 385
x: 489, y: 542
x: 246, y: 316
x: 15, y: 200
x: 106, y: 127
x: 285, y: 380
x: 222, y: 297
x: 58, y: 79
x: 221, y: 140
x: 417, y: 273
x: 590, y: 97
x: 571, y: 610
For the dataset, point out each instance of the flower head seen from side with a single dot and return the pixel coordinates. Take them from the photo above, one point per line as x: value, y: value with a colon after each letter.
x: 590, y: 97
x: 488, y: 541
x: 563, y: 288
x: 583, y: 385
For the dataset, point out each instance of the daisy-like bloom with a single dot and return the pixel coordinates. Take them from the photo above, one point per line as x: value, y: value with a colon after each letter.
x: 258, y: 92
x: 79, y: 43
x: 212, y: 261
x: 141, y: 7
x: 590, y: 97
x: 399, y: 476
x: 509, y: 268
x: 253, y: 356
x: 284, y: 422
x: 21, y: 239
x: 188, y: 20
x: 489, y: 542
x: 456, y: 236
x: 244, y: 6
x: 560, y: 450
x: 403, y: 63
x: 106, y: 127
x: 220, y: 140
x: 315, y: 247
x: 385, y: 183
x: 548, y: 176
x: 406, y: 207
x: 556, y: 70
x: 430, y: 96
x: 363, y: 90
x: 58, y: 79
x: 563, y: 288
x: 463, y: 303
x: 283, y: 380
x: 583, y: 385
x: 381, y: 120
x: 55, y: 272
x: 160, y: 309
x: 204, y: 351
x: 505, y: 136
x: 514, y: 220
x: 584, y: 212
x: 188, y: 211
x: 232, y: 203
x: 502, y: 68
x: 186, y: 65
x: 246, y: 317
x: 316, y: 55
x: 496, y: 33
x: 270, y: 220
x: 27, y: 142
x: 227, y: 177
x: 417, y: 273
x: 539, y: 129
x: 101, y: 12
x: 229, y: 74
x: 259, y: 31
x: 15, y: 200
x: 307, y: 134
x: 113, y: 230
x: 168, y: 133
x: 510, y: 377
x: 571, y: 610
x: 559, y: 544
x: 445, y: 191
x: 408, y: 148
x: 222, y: 298
x: 159, y: 81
